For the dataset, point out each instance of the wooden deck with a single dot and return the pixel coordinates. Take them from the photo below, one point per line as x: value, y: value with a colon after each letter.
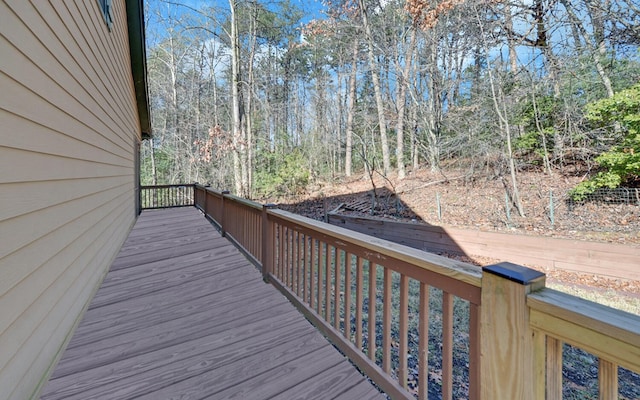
x: 183, y: 314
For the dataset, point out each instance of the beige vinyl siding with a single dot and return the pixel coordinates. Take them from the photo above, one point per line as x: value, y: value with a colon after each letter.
x: 68, y: 129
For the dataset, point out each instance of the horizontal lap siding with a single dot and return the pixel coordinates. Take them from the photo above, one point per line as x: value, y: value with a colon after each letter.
x: 68, y: 126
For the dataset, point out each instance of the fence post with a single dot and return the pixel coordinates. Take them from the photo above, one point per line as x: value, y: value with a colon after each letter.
x: 508, y: 359
x: 507, y: 207
x: 268, y: 243
x: 551, y: 208
x: 222, y: 218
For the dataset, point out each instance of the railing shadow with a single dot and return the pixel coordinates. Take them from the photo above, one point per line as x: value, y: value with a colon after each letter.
x: 385, y: 216
x: 383, y: 203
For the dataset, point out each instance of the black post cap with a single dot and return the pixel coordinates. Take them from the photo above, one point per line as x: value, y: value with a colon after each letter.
x: 514, y: 272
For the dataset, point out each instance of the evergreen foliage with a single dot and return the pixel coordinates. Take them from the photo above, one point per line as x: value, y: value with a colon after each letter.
x: 619, y: 115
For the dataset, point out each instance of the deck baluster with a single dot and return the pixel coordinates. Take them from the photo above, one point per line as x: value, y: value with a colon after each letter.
x: 423, y: 343
x: 321, y: 261
x: 371, y: 331
x: 359, y: 301
x: 336, y: 294
x: 403, y: 331
x: 312, y: 274
x: 386, y: 321
x: 447, y: 345
x: 347, y: 296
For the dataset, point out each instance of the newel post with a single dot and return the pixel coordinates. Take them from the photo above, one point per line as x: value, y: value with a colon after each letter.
x: 223, y: 232
x: 268, y: 243
x: 194, y: 188
x: 509, y: 364
x: 205, y: 193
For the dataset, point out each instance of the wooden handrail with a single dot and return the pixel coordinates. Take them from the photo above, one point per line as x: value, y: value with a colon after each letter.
x: 516, y: 326
x: 612, y: 335
x: 244, y: 202
x: 168, y: 186
x: 586, y: 324
x: 385, y: 249
x: 167, y: 196
x: 319, y: 256
x: 312, y: 262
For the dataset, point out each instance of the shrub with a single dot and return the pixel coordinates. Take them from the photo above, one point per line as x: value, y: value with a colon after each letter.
x: 621, y: 164
x: 282, y: 174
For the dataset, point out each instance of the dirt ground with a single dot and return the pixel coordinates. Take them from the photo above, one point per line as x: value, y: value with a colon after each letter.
x: 453, y: 199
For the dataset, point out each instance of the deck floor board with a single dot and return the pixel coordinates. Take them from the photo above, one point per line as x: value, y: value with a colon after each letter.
x: 182, y: 314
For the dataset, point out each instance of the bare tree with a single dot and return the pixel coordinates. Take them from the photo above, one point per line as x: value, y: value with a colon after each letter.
x: 403, y: 85
x: 499, y: 104
x: 373, y: 70
x: 351, y: 109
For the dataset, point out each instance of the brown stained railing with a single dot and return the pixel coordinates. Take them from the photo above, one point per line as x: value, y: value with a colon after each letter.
x: 245, y: 216
x: 211, y: 203
x: 167, y: 196
x: 374, y: 299
x: 359, y: 297
x: 246, y: 229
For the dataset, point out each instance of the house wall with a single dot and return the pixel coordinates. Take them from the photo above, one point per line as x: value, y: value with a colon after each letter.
x: 68, y: 131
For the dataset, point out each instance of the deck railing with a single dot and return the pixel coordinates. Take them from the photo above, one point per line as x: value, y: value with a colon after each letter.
x: 165, y: 196
x: 380, y: 303
x: 613, y: 336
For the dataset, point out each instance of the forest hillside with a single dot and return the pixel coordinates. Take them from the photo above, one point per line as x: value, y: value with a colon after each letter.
x: 451, y: 198
x: 267, y: 99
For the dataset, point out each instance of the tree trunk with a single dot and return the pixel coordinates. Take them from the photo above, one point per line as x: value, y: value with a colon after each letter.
x: 545, y: 154
x: 415, y: 153
x: 433, y: 107
x: 236, y: 104
x: 598, y: 23
x: 503, y: 122
x: 511, y: 42
x: 402, y: 94
x: 351, y: 109
x: 512, y: 170
x: 598, y: 49
x: 154, y: 172
x: 373, y: 66
x: 249, y: 115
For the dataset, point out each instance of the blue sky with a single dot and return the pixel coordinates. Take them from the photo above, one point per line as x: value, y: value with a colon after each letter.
x: 175, y: 9
x: 311, y: 8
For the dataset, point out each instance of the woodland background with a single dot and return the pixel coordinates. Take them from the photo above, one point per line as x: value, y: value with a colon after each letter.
x: 480, y: 113
x: 268, y: 98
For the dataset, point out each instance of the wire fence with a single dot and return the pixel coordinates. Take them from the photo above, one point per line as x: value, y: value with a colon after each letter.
x: 613, y: 196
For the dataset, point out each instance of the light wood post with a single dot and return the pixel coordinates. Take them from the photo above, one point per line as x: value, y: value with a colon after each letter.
x: 608, y: 379
x: 508, y: 362
x: 222, y: 214
x: 268, y: 243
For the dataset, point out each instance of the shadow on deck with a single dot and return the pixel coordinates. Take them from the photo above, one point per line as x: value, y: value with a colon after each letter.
x: 183, y: 314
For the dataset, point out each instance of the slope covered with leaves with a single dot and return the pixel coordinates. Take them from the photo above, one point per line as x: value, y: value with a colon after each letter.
x: 481, y: 203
